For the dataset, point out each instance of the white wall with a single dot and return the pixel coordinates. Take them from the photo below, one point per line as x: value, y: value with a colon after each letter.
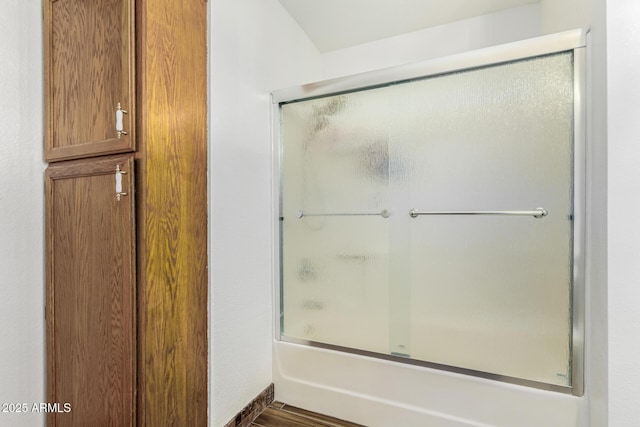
x: 623, y: 77
x: 255, y: 46
x: 562, y: 15
x: 22, y: 373
x: 594, y: 408
x: 474, y: 33
x: 487, y: 30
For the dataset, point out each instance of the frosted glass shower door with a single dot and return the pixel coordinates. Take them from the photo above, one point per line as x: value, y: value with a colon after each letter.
x: 334, y: 223
x: 431, y: 220
x: 491, y: 292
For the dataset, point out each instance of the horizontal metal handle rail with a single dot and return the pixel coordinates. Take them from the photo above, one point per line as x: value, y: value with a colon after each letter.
x: 384, y: 214
x: 536, y: 213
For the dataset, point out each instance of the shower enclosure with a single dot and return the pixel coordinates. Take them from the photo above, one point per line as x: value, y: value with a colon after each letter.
x: 433, y: 214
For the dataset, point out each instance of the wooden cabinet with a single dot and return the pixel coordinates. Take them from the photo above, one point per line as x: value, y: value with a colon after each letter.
x: 90, y: 69
x: 91, y: 291
x: 122, y: 358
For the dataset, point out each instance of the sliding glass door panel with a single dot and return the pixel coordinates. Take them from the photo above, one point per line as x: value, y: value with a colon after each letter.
x: 335, y: 251
x: 490, y: 292
x: 432, y: 220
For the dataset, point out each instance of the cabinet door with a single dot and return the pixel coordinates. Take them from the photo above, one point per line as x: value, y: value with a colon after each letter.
x: 89, y: 71
x: 91, y: 292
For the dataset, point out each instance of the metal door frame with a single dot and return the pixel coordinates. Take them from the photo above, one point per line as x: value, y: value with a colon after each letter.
x: 575, y: 41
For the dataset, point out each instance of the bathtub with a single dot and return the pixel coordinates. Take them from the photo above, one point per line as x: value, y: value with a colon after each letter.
x: 381, y: 393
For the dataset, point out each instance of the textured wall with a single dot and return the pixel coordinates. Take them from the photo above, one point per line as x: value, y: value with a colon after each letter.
x: 623, y: 88
x: 255, y: 47
x: 22, y: 373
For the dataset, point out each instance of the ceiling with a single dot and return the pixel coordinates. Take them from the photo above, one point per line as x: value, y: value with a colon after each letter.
x: 336, y: 24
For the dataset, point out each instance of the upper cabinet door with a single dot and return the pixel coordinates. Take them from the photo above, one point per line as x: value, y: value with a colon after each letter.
x: 89, y: 78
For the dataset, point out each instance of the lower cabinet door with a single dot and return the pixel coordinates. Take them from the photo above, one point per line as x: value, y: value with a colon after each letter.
x: 91, y: 318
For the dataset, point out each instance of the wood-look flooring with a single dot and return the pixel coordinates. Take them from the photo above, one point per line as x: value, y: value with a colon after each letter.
x: 281, y: 415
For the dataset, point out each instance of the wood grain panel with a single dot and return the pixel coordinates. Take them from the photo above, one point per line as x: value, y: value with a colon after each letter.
x: 172, y: 213
x: 90, y: 293
x: 281, y: 415
x: 89, y: 69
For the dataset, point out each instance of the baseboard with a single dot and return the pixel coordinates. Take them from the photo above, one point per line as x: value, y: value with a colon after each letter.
x: 254, y: 408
